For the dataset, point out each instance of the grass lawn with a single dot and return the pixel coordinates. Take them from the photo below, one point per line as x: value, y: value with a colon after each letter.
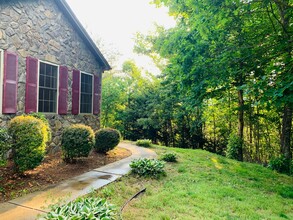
x: 203, y: 185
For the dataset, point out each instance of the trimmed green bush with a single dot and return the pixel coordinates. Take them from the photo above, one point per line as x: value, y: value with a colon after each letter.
x: 45, y: 120
x: 147, y: 167
x: 144, y: 143
x: 107, y: 139
x: 84, y: 208
x: 77, y: 141
x: 29, y: 136
x: 281, y: 164
x: 234, y: 147
x: 169, y: 157
x: 5, y: 144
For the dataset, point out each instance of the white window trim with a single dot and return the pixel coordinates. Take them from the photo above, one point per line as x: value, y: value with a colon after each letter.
x: 81, y: 72
x: 1, y: 77
x: 57, y: 98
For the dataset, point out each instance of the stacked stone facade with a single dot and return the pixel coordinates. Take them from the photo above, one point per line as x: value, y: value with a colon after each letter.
x: 39, y: 29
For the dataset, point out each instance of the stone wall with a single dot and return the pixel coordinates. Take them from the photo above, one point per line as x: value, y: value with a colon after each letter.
x: 39, y: 29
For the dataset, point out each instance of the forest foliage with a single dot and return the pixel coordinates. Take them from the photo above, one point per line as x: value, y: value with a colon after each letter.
x: 226, y: 71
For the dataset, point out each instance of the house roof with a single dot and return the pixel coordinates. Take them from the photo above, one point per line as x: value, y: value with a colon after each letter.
x: 65, y: 8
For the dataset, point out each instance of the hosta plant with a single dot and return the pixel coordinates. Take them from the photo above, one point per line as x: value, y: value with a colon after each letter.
x: 147, y: 167
x: 169, y: 157
x: 84, y: 208
x: 144, y: 143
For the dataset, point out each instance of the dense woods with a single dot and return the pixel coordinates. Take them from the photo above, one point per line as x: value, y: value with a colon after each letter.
x: 226, y: 80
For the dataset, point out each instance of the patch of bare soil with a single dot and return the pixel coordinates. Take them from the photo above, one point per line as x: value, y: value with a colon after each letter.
x: 52, y: 170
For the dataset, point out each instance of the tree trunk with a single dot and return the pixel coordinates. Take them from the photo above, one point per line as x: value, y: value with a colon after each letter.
x: 286, y: 132
x: 240, y: 121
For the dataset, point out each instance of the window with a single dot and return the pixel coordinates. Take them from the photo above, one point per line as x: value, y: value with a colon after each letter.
x: 86, y: 93
x: 48, y: 75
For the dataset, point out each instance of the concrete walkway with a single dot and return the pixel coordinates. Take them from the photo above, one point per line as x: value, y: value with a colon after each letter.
x: 31, y: 205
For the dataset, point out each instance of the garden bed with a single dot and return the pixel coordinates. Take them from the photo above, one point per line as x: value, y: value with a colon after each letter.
x: 52, y: 171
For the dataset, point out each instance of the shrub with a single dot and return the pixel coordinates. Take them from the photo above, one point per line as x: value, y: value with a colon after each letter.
x: 84, y: 208
x: 77, y: 141
x: 107, y: 139
x: 234, y: 147
x: 281, y: 164
x: 169, y: 157
x: 45, y: 120
x: 147, y: 167
x: 144, y: 143
x: 29, y: 136
x: 5, y: 144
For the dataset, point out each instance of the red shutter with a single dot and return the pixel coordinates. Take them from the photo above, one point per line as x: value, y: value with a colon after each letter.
x: 75, y: 91
x: 10, y: 82
x: 97, y: 95
x: 63, y: 90
x: 31, y: 88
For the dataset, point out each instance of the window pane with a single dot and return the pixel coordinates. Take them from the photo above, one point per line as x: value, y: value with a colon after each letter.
x: 47, y: 88
x: 86, y: 93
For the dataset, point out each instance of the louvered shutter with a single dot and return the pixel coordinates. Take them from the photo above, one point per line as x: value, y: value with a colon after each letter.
x: 97, y: 95
x: 10, y: 82
x: 75, y: 91
x: 63, y: 90
x: 31, y: 91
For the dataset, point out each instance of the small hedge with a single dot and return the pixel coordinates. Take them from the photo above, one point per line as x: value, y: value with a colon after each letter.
x: 147, y: 167
x: 106, y: 139
x: 144, y: 143
x: 29, y: 136
x: 5, y: 144
x: 84, y: 208
x: 77, y: 141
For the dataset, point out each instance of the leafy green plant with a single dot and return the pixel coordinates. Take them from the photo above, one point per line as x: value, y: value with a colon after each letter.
x: 169, y: 157
x: 147, y: 167
x: 29, y: 136
x: 84, y: 208
x: 77, y: 141
x: 45, y: 120
x: 234, y: 147
x: 106, y: 139
x: 144, y: 143
x: 281, y: 164
x: 5, y: 144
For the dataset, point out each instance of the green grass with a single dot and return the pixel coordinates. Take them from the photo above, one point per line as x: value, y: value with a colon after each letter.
x: 203, y: 185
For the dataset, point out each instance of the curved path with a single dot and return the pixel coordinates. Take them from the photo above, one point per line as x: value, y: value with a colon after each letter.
x: 31, y: 205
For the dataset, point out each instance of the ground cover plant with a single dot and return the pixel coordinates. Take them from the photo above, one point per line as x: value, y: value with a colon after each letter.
x: 84, y: 208
x: 169, y: 157
x: 147, y: 167
x: 144, y: 143
x: 205, y: 186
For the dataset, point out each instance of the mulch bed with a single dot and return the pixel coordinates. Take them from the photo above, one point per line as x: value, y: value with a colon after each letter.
x: 53, y: 170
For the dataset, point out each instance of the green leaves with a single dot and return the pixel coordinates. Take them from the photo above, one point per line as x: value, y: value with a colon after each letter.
x: 144, y: 143
x: 77, y: 141
x: 169, y: 157
x: 84, y: 208
x: 147, y: 167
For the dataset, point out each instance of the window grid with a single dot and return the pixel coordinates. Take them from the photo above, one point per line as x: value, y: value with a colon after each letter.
x: 86, y: 93
x: 48, y: 88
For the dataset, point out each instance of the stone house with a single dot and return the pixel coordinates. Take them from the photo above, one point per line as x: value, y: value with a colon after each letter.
x: 48, y: 64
